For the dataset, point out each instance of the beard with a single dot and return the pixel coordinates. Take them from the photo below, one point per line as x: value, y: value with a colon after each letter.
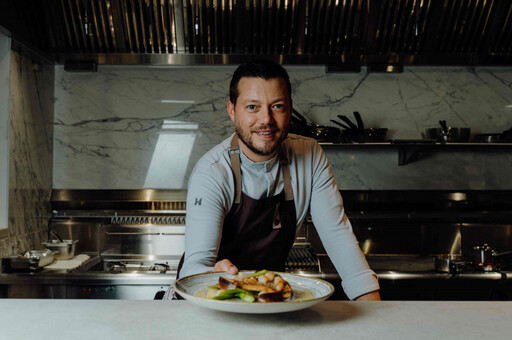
x: 268, y: 148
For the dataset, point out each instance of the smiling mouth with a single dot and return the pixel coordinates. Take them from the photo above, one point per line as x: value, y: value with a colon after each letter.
x: 265, y: 133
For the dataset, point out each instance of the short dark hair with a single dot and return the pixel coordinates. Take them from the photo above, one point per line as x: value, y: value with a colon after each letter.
x: 259, y: 68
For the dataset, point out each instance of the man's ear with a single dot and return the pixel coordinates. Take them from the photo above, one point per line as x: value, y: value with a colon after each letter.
x: 231, y: 110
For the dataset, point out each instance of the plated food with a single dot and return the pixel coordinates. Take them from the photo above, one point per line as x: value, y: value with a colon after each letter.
x: 262, y: 286
x: 306, y: 292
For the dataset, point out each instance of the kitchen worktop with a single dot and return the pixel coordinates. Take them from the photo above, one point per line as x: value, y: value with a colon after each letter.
x: 123, y: 319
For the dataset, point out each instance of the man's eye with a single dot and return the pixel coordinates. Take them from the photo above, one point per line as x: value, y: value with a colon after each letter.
x: 279, y: 106
x: 251, y: 107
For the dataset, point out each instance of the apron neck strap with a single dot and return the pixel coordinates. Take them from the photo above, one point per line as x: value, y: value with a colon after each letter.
x: 234, y: 155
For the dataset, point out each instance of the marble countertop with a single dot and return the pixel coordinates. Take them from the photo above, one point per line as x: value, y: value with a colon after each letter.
x: 125, y: 319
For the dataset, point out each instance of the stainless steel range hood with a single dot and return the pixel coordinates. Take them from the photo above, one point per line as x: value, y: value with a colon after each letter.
x: 336, y: 32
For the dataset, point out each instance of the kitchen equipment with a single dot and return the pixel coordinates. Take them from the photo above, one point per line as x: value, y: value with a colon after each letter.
x: 484, y: 257
x: 53, y: 233
x: 357, y: 133
x: 65, y: 249
x: 324, y: 133
x: 28, y: 261
x: 488, y: 138
x: 503, y: 260
x: 362, y: 136
x: 132, y: 231
x: 506, y: 136
x: 340, y: 124
x: 448, y: 134
x: 348, y: 122
x: 360, y: 124
x: 449, y: 263
x: 298, y: 124
x: 452, y: 134
x: 321, y: 133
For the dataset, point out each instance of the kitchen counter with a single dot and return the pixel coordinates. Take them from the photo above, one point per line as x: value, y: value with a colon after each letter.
x: 123, y: 319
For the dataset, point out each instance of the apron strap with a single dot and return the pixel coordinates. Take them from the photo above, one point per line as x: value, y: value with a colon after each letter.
x: 285, y: 166
x: 234, y: 155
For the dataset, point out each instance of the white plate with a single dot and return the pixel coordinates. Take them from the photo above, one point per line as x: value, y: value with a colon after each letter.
x: 306, y: 293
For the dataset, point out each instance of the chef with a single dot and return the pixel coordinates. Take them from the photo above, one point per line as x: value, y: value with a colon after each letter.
x: 248, y: 195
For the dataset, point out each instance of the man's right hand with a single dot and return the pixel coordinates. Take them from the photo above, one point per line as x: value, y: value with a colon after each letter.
x: 225, y: 266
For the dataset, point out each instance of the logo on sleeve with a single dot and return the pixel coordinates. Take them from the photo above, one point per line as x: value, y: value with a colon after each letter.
x: 198, y: 201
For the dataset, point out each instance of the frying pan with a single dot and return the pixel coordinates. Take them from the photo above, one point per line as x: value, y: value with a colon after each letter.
x: 324, y: 133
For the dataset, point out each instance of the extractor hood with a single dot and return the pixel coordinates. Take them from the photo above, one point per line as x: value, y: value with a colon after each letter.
x: 344, y: 34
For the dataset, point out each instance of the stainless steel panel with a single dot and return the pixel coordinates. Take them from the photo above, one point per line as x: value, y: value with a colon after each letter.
x: 400, y: 237
x: 142, y: 240
x: 125, y: 292
x: 86, y: 231
x: 33, y: 291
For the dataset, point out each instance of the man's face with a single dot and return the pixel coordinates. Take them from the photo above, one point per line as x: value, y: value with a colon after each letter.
x: 261, y: 115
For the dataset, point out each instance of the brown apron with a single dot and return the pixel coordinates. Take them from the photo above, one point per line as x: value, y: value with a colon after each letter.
x: 258, y: 234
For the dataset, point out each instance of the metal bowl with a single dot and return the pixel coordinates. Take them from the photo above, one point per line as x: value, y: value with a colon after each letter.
x: 66, y: 249
x: 451, y: 135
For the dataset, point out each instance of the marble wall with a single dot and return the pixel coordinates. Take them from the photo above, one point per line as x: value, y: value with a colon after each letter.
x: 5, y: 60
x: 30, y: 151
x: 145, y: 127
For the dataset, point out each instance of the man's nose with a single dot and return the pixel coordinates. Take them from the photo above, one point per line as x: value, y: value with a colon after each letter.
x: 266, y: 116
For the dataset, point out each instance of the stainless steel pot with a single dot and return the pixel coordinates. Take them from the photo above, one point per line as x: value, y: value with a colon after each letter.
x: 449, y: 135
x: 65, y: 249
x: 484, y: 257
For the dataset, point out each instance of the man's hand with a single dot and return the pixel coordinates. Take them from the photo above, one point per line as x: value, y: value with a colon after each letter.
x: 373, y: 296
x: 225, y: 266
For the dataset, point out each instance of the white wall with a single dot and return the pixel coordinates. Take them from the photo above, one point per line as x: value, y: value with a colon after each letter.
x: 5, y: 56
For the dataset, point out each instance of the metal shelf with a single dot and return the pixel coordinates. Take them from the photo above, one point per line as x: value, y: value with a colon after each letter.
x: 410, y: 151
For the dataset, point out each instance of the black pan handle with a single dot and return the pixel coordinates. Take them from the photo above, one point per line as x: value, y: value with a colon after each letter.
x: 359, y: 120
x: 342, y: 125
x: 348, y: 121
x: 301, y: 117
x: 443, y: 125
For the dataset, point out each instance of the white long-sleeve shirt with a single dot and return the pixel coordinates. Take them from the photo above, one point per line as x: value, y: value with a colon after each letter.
x: 211, y: 191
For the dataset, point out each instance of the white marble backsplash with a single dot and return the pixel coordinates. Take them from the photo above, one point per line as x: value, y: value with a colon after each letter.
x: 145, y: 127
